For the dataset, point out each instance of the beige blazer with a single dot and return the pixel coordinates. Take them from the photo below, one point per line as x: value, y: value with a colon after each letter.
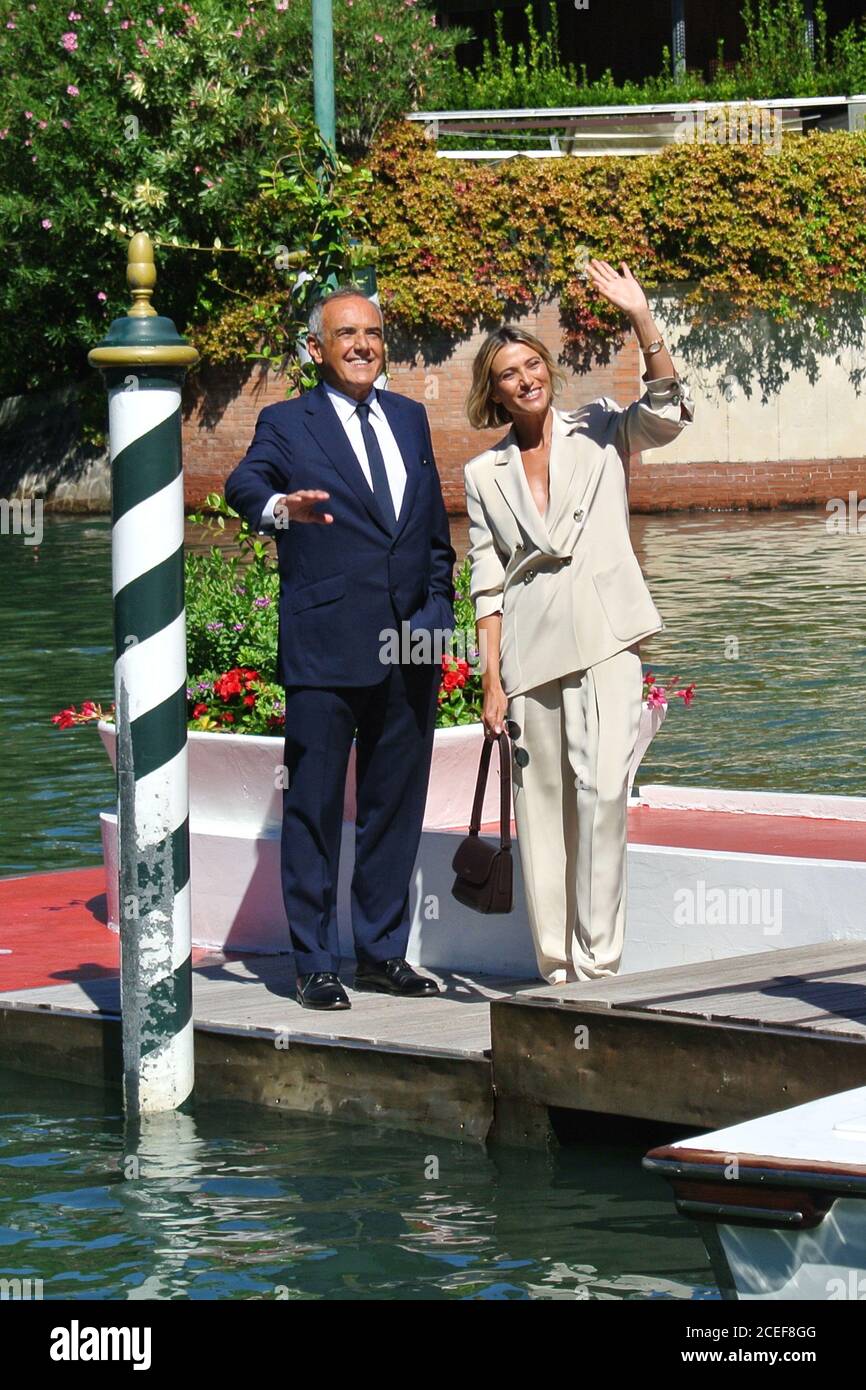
x: 568, y: 585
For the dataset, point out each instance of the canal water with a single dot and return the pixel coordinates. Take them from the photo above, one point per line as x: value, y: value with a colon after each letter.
x: 239, y: 1202
x: 762, y: 612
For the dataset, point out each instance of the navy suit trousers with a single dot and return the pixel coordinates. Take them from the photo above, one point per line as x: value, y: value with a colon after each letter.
x: 393, y: 723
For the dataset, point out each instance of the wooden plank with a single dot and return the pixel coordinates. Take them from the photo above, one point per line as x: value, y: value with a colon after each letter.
x: 826, y: 961
x: 258, y: 994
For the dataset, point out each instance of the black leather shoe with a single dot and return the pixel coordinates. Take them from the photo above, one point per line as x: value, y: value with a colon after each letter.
x: 394, y: 976
x: 322, y: 990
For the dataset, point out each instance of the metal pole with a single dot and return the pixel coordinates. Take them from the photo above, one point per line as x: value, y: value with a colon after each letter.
x: 323, y: 69
x: 809, y: 16
x: 678, y: 38
x: 144, y: 361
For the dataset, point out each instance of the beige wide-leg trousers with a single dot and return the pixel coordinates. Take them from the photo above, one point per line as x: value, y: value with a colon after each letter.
x: 572, y: 742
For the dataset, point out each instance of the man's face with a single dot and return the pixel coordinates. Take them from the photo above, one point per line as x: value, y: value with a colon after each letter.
x: 351, y: 351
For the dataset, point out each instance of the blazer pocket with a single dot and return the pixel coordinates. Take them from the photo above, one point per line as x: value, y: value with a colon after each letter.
x: 320, y: 591
x: 626, y: 600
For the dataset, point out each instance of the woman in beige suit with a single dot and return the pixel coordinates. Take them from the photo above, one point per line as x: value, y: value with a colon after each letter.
x: 560, y: 606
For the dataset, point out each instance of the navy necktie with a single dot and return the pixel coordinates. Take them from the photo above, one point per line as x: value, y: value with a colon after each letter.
x: 378, y: 472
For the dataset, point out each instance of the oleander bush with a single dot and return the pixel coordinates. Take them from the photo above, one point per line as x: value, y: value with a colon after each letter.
x: 179, y: 120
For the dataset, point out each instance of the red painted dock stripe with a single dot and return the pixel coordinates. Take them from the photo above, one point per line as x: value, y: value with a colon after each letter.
x: 798, y: 837
x: 53, y: 930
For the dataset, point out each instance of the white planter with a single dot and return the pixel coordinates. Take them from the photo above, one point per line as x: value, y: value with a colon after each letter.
x: 651, y: 719
x: 235, y: 792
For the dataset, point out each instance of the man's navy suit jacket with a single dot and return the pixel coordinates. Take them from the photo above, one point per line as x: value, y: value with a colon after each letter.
x: 344, y: 583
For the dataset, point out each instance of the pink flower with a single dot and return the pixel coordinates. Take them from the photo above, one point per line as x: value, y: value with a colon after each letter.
x: 102, y: 295
x: 72, y: 90
x: 9, y: 24
x: 65, y: 122
x: 73, y: 15
x: 29, y: 115
x: 378, y: 38
x: 4, y: 132
x: 656, y: 697
x: 42, y: 125
x: 70, y: 42
x: 46, y: 222
x: 125, y: 23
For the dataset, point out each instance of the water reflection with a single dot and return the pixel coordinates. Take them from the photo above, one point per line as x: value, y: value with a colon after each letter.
x: 241, y: 1202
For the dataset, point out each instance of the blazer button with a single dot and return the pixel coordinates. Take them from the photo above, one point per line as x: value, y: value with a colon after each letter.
x: 567, y: 559
x: 578, y: 514
x: 529, y: 575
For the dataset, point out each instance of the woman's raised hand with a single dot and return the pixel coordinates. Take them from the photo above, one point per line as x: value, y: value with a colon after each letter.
x: 622, y: 290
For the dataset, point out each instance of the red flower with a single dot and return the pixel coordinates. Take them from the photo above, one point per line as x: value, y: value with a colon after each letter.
x: 450, y: 680
x: 65, y: 719
x: 199, y: 710
x: 249, y: 699
x: 228, y: 717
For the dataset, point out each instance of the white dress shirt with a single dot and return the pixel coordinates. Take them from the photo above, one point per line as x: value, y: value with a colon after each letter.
x: 347, y: 411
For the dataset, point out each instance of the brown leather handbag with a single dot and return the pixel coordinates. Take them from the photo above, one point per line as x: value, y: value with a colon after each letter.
x: 485, y: 873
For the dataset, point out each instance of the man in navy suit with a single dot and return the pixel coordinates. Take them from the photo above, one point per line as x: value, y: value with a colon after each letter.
x: 378, y: 561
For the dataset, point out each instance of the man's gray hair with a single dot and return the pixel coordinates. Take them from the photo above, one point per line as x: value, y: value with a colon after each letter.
x: 314, y: 324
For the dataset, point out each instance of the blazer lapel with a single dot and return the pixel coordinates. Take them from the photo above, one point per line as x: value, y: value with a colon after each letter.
x: 325, y: 426
x: 575, y: 473
x: 510, y: 478
x: 562, y: 468
x: 408, y: 444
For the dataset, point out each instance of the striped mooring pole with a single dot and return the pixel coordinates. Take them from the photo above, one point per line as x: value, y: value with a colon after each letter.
x: 144, y: 361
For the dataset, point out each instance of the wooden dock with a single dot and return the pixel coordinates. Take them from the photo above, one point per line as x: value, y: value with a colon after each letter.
x: 700, y: 1045
x: 421, y: 1064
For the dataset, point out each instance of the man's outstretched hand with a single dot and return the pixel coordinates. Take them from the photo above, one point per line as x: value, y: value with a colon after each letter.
x: 298, y: 506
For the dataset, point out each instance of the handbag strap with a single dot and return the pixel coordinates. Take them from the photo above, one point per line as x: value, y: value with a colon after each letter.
x: 504, y: 787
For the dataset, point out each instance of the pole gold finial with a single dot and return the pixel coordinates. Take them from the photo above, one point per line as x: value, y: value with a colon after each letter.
x: 140, y: 275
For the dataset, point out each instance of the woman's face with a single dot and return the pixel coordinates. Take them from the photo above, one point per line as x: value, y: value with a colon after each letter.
x: 521, y: 381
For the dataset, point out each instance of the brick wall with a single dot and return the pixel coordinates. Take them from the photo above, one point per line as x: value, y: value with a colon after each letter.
x: 221, y: 407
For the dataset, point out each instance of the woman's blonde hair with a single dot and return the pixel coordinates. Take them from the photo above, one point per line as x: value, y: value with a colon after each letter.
x: 484, y: 412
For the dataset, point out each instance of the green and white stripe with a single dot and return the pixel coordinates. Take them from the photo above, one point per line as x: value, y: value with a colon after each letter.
x: 144, y: 361
x: 151, y: 708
